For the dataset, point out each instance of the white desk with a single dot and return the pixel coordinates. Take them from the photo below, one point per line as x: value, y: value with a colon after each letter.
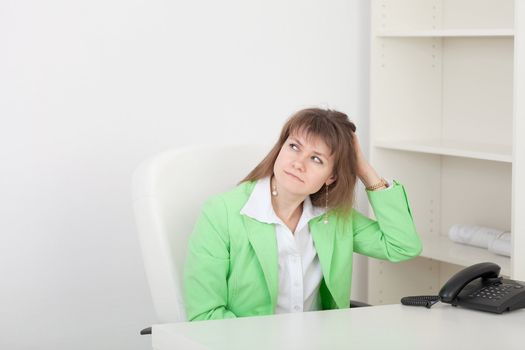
x: 378, y: 327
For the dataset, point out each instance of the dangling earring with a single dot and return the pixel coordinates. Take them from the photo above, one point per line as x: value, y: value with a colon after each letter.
x: 325, y: 221
x: 274, y: 189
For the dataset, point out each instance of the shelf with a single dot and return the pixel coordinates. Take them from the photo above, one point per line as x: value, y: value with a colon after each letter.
x: 444, y: 119
x: 446, y: 33
x: 443, y: 249
x: 499, y: 153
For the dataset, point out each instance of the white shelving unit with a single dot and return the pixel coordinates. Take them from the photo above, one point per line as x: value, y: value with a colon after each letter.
x: 444, y: 106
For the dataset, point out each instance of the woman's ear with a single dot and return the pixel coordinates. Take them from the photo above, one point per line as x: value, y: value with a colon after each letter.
x: 331, y: 180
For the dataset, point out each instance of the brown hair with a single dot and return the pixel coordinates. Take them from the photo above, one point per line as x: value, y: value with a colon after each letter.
x: 335, y: 129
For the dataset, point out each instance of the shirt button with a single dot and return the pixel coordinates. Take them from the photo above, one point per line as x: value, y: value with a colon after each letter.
x: 297, y: 308
x: 296, y: 284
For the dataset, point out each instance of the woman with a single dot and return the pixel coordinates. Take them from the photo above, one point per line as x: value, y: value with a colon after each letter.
x: 283, y: 239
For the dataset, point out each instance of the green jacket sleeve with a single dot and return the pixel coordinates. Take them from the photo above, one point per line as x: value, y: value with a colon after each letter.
x: 393, y: 236
x: 207, y: 265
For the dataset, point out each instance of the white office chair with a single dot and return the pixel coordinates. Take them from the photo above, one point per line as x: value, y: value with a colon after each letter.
x: 168, y: 192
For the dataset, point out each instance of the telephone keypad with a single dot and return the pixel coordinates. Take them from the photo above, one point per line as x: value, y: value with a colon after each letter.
x: 495, y: 291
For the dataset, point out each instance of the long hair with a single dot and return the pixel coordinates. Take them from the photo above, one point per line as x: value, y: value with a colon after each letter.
x: 335, y: 129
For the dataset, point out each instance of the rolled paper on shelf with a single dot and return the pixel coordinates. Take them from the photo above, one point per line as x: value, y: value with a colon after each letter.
x: 476, y: 236
x: 501, y: 245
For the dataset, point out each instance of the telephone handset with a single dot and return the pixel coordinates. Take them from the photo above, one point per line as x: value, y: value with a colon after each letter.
x: 477, y: 287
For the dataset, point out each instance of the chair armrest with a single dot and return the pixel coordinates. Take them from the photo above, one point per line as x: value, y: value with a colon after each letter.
x: 146, y: 331
x: 354, y: 303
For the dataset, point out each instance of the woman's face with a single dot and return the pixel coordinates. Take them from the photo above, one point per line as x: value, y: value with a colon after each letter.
x: 302, y: 167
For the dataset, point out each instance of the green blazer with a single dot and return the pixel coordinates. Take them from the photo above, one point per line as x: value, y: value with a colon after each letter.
x: 231, y: 268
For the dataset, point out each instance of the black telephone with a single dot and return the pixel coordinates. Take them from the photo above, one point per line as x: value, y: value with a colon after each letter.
x: 477, y: 287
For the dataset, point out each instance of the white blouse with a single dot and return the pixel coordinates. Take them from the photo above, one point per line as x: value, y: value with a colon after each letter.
x: 300, y: 272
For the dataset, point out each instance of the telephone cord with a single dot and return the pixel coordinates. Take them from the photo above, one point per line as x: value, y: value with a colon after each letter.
x: 420, y: 300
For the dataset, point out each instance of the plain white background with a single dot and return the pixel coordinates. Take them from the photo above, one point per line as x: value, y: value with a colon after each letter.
x: 88, y: 89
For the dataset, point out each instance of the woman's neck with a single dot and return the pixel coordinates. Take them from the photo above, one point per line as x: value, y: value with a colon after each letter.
x: 287, y: 206
x: 287, y: 210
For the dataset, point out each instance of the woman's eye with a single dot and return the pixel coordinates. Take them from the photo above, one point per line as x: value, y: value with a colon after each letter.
x: 318, y: 160
x: 315, y: 158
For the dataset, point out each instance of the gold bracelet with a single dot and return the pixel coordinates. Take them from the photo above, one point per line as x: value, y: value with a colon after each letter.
x: 378, y: 185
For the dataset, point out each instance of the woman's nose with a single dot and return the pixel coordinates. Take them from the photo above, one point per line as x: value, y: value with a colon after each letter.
x: 298, y: 164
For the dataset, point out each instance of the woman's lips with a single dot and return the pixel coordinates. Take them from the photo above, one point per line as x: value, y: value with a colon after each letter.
x: 295, y: 177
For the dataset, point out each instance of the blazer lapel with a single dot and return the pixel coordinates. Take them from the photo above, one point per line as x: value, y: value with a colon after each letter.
x: 263, y: 240
x: 323, y: 236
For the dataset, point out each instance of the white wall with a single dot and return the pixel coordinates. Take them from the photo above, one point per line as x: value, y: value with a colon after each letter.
x: 88, y: 89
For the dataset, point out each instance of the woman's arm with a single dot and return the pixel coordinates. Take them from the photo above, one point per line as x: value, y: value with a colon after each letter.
x: 365, y: 172
x: 207, y: 265
x: 393, y: 236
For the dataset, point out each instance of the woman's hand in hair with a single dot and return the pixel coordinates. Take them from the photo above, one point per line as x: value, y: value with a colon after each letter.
x: 365, y: 172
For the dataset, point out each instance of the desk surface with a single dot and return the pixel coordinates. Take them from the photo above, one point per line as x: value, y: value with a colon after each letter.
x: 378, y: 327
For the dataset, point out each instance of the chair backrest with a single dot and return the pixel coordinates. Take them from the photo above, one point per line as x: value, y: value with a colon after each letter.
x: 168, y: 192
